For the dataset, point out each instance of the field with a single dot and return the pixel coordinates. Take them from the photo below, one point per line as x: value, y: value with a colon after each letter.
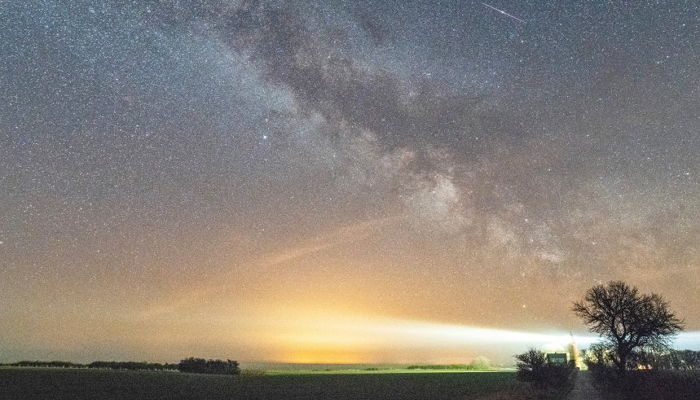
x: 57, y: 383
x: 655, y: 385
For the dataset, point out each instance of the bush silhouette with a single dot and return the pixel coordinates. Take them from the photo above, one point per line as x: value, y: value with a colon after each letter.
x: 533, y: 367
x: 202, y: 366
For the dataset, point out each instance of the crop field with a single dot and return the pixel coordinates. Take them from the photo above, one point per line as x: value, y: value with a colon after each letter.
x: 57, y: 383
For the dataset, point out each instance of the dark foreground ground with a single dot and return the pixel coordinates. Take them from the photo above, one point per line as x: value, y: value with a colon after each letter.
x: 652, y: 385
x: 74, y: 384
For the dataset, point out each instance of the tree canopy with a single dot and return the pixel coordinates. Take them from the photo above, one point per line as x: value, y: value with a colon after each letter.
x: 630, y: 322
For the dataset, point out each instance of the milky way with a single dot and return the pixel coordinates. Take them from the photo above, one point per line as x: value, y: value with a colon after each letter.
x: 179, y: 177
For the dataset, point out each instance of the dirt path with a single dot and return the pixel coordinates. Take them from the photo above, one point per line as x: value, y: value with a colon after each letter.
x: 583, y: 389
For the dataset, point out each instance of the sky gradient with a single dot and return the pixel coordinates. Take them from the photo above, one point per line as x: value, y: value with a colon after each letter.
x: 332, y: 181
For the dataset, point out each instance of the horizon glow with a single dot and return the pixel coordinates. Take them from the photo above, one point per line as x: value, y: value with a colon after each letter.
x: 345, y: 339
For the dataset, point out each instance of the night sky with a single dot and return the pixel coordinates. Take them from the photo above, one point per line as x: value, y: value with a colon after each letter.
x: 344, y: 181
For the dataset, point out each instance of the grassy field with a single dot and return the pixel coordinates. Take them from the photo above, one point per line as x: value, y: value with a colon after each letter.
x: 39, y: 383
x: 372, y: 370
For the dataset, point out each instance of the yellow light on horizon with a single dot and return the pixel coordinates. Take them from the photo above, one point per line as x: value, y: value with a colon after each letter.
x: 328, y: 337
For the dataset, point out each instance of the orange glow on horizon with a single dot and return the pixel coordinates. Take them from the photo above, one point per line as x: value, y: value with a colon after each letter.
x: 326, y: 337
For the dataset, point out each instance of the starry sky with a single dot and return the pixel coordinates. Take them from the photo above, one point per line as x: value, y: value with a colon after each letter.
x: 339, y: 181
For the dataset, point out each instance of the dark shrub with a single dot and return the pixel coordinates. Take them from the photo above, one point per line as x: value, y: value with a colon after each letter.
x: 671, y: 376
x: 202, y: 366
x: 532, y: 367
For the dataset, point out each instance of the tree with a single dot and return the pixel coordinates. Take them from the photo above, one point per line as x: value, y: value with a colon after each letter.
x: 631, y: 323
x: 530, y: 364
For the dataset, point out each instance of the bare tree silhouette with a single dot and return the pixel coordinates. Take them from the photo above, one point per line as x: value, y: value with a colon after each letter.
x: 630, y: 322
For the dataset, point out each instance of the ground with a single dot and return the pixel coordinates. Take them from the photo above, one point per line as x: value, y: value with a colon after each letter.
x: 584, y: 390
x: 76, y: 384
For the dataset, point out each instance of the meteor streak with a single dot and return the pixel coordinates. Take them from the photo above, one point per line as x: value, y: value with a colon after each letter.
x: 504, y: 13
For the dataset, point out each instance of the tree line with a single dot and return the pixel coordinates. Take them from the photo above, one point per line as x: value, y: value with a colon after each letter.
x: 189, y: 365
x: 128, y: 365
